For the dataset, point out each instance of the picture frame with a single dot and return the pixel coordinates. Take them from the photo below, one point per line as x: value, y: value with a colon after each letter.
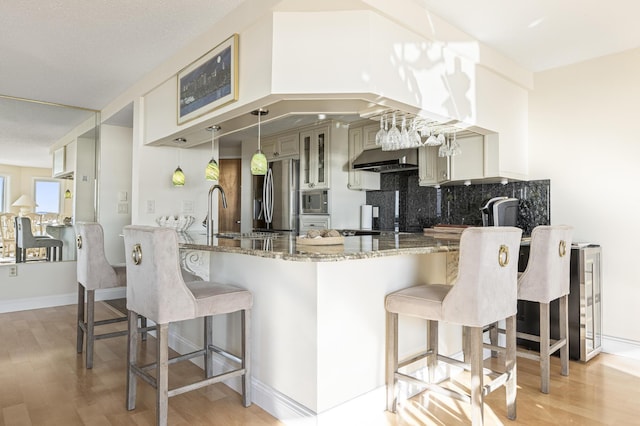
x: 209, y: 82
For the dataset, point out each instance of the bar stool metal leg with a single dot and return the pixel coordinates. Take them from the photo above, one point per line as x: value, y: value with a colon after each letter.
x: 510, y: 367
x: 432, y: 346
x: 544, y: 347
x: 90, y: 327
x: 475, y: 359
x: 79, y: 331
x: 132, y: 359
x: 564, y: 334
x: 246, y: 357
x: 162, y: 373
x: 392, y: 359
x: 208, y: 341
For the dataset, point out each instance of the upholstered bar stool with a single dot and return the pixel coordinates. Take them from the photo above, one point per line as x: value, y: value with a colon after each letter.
x: 156, y: 289
x: 26, y: 240
x: 546, y: 278
x: 94, y: 272
x: 484, y: 292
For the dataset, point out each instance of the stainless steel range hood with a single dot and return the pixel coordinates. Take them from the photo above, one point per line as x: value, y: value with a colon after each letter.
x: 377, y: 160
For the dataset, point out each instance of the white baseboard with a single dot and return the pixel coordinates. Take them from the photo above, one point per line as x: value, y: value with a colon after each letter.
x: 15, y: 305
x: 623, y: 347
x: 273, y: 402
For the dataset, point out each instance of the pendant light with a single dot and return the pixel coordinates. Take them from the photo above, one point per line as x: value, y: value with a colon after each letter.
x: 178, y: 175
x: 212, y: 171
x: 67, y: 194
x: 259, y: 160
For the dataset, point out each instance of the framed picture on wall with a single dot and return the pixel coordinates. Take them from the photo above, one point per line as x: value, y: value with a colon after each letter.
x: 209, y: 82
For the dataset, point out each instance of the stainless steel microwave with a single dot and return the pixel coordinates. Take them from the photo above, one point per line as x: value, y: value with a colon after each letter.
x: 314, y: 202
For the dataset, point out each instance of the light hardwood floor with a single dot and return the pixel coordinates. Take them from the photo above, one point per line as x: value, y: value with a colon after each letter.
x: 44, y: 382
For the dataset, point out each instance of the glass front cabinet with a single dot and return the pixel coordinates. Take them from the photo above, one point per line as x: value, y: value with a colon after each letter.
x: 314, y: 158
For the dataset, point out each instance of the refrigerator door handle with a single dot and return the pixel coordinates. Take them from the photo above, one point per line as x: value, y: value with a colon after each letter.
x: 268, y: 197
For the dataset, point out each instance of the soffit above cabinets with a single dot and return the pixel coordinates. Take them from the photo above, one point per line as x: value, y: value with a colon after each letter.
x: 290, y: 114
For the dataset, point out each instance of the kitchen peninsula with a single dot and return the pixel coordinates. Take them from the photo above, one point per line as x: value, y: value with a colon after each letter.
x: 318, y: 327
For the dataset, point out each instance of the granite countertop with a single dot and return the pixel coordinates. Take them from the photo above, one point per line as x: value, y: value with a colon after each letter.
x: 284, y: 246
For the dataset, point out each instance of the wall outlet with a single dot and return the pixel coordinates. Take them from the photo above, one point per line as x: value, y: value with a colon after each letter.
x: 123, y: 208
x: 187, y: 207
x: 13, y: 270
x: 151, y: 206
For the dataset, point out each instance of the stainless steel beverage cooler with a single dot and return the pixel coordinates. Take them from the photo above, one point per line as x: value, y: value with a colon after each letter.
x: 585, y: 305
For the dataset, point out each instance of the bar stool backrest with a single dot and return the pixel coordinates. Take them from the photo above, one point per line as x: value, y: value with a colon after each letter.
x: 485, y: 290
x: 155, y: 288
x: 93, y: 269
x: 546, y: 276
x: 24, y: 236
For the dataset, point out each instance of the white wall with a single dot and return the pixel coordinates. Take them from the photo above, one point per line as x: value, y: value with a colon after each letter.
x: 584, y: 129
x: 115, y: 183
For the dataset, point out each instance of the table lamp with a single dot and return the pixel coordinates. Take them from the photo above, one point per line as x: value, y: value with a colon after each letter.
x: 25, y: 202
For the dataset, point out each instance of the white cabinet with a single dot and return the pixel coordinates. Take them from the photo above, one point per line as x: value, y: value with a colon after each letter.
x: 309, y: 222
x: 469, y: 165
x: 314, y: 158
x: 482, y: 159
x: 360, y: 179
x: 283, y: 146
x: 369, y: 140
x: 64, y: 160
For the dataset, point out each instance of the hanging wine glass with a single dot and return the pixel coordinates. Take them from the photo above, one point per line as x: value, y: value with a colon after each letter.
x: 416, y: 140
x: 382, y: 133
x: 433, y: 140
x: 441, y: 137
x: 444, y: 147
x: 404, y: 134
x: 393, y: 136
x: 455, y: 146
x: 425, y: 131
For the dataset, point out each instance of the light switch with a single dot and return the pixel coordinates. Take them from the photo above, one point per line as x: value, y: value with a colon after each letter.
x: 122, y: 196
x: 123, y: 208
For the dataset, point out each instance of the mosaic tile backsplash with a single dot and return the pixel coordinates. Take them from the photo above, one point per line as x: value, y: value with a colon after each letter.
x: 422, y: 207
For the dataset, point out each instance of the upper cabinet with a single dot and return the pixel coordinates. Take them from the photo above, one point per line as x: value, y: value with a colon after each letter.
x: 360, y: 139
x: 479, y: 160
x: 64, y: 160
x: 283, y: 146
x: 314, y: 158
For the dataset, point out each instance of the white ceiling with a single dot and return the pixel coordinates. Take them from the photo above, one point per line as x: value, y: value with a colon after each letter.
x: 85, y: 53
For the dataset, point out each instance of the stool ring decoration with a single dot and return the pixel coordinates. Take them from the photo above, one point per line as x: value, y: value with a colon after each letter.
x: 545, y: 279
x: 157, y: 290
x: 484, y: 292
x: 95, y: 273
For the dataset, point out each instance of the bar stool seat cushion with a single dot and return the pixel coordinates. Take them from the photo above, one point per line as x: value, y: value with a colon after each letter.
x: 420, y: 301
x: 216, y: 299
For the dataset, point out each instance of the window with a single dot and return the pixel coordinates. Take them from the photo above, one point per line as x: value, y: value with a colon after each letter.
x: 47, y: 196
x: 2, y: 181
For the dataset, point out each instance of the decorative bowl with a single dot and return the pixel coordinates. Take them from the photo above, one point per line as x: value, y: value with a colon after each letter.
x: 180, y: 223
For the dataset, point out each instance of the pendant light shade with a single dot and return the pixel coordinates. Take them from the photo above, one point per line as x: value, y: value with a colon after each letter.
x: 178, y: 177
x: 259, y: 160
x: 67, y: 194
x: 212, y: 172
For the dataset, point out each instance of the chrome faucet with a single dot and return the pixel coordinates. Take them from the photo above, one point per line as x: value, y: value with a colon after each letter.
x: 210, y: 208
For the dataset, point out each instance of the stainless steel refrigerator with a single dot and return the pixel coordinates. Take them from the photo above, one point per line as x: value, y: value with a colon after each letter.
x: 276, y: 197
